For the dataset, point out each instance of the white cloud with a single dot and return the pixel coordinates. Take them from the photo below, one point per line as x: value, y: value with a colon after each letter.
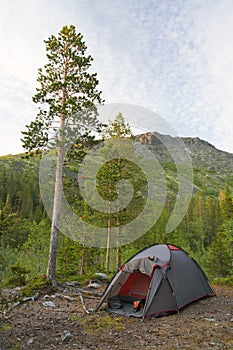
x: 172, y: 57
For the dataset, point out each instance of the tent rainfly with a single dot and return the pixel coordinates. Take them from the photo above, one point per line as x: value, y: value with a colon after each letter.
x: 156, y: 281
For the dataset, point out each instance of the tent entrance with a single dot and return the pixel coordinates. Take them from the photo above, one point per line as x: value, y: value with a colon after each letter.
x: 135, y: 288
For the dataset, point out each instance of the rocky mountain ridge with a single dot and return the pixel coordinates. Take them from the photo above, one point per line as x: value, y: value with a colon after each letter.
x: 212, y: 168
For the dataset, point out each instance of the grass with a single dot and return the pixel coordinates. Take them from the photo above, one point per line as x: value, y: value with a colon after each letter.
x: 34, y: 286
x: 96, y: 324
x: 224, y: 281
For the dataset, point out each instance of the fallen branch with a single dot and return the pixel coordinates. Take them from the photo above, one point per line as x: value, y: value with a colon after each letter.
x: 67, y: 297
x: 24, y: 300
x: 89, y: 292
x: 83, y: 304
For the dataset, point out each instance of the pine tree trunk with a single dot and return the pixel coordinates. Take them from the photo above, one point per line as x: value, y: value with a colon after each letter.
x: 118, y: 250
x: 108, y: 238
x: 109, y: 222
x: 82, y: 261
x: 51, y: 269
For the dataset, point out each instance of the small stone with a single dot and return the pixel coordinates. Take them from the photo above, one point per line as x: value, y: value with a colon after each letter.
x: 72, y: 284
x: 53, y: 296
x: 66, y: 291
x: 66, y: 336
x: 210, y: 319
x: 30, y: 341
x: 15, y: 304
x: 33, y: 298
x: 102, y: 275
x: 94, y: 284
x: 14, y: 294
x: 49, y: 304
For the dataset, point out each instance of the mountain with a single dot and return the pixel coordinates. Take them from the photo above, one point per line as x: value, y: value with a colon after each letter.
x: 212, y: 168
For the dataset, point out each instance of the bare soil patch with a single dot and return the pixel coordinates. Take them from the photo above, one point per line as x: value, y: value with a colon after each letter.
x: 207, y: 324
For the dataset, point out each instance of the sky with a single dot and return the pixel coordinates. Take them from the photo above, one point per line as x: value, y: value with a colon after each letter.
x: 173, y: 57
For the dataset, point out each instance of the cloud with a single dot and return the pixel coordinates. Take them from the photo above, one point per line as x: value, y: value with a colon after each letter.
x: 172, y: 57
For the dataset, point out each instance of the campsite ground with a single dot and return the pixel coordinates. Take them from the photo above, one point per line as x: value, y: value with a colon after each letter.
x: 207, y: 324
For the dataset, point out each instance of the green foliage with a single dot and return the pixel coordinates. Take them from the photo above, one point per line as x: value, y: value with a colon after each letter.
x: 19, y: 188
x: 68, y: 257
x: 117, y: 128
x: 34, y: 252
x: 34, y: 285
x: 220, y: 253
x: 8, y: 258
x: 226, y: 281
x: 226, y: 203
x: 19, y: 275
x: 67, y: 88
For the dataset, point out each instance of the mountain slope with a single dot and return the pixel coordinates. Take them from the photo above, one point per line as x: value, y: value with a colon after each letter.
x: 212, y: 168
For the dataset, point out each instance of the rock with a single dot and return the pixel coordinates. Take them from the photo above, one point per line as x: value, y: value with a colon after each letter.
x: 49, y: 304
x: 33, y: 298
x: 210, y: 319
x: 66, y: 336
x: 91, y: 310
x: 102, y: 275
x: 16, y: 304
x: 94, y: 284
x: 14, y: 294
x: 72, y: 284
x: 49, y: 296
x: 66, y: 291
x: 30, y: 341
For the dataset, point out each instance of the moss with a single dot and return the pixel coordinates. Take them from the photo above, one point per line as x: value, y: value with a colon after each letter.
x: 34, y: 286
x: 6, y: 327
x: 224, y: 281
x: 96, y: 324
x: 83, y: 279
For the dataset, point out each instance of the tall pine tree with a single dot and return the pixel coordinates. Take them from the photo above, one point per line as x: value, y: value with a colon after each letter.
x: 66, y: 95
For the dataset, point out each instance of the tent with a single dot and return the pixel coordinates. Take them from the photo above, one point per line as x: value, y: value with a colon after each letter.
x: 158, y: 280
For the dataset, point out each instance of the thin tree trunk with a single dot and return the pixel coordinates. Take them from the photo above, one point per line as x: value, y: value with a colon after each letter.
x: 118, y: 243
x: 82, y: 260
x: 108, y: 237
x: 109, y: 222
x: 51, y: 269
x: 118, y: 249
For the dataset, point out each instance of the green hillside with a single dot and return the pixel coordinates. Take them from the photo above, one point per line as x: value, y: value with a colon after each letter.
x: 206, y: 231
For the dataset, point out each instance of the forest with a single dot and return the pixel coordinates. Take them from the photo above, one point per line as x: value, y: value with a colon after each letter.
x: 206, y: 231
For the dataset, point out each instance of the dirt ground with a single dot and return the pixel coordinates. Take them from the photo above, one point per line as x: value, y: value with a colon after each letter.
x: 207, y: 324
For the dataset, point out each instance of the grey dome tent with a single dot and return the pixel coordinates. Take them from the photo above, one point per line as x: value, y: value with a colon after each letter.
x: 162, y: 277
